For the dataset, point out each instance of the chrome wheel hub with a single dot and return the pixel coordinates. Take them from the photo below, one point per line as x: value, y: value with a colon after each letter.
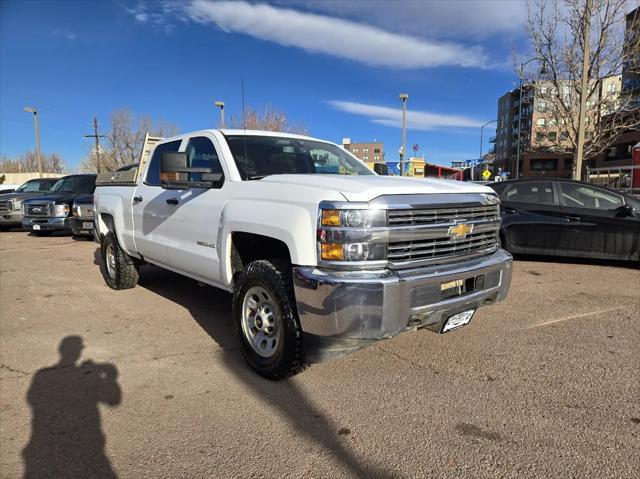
x: 261, y: 324
x: 110, y: 259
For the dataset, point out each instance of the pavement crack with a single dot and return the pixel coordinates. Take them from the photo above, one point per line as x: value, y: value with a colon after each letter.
x: 13, y: 370
x: 410, y: 361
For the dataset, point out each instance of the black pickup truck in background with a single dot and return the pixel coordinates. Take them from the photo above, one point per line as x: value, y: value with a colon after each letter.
x: 11, y: 203
x: 81, y: 220
x: 53, y: 211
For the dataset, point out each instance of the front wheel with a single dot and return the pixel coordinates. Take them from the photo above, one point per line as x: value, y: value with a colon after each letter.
x: 266, y: 321
x: 119, y: 270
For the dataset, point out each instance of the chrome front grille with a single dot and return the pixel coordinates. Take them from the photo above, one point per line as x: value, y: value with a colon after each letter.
x: 443, y: 215
x: 6, y: 205
x: 440, y: 247
x: 432, y: 235
x: 38, y: 209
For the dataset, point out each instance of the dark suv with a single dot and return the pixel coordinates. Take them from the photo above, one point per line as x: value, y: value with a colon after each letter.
x: 52, y: 212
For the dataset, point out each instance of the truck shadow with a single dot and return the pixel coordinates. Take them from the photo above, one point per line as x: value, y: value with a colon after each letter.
x: 211, y: 309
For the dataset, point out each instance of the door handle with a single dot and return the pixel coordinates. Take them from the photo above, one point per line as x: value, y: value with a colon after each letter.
x: 572, y: 219
x: 509, y: 210
x: 172, y: 201
x: 137, y: 199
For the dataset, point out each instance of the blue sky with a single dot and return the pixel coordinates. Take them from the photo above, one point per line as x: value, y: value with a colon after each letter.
x: 335, y: 66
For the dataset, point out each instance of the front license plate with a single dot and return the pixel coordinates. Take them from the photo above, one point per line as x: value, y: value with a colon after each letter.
x: 458, y: 320
x: 36, y: 227
x: 87, y: 225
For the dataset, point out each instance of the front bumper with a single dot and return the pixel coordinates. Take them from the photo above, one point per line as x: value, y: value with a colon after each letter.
x: 79, y: 226
x: 11, y: 218
x: 370, y: 305
x: 47, y: 224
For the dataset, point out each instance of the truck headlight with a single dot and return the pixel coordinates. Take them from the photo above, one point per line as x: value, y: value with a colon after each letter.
x: 352, y: 234
x: 17, y: 205
x: 61, y: 210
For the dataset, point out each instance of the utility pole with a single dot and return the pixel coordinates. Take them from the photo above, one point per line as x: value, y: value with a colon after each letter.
x: 584, y: 92
x: 403, y: 97
x: 220, y: 104
x: 97, y: 137
x: 30, y: 109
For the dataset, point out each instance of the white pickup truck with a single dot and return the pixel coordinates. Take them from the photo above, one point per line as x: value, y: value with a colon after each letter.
x: 321, y: 254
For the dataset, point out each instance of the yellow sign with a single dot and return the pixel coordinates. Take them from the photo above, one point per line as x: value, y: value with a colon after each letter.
x: 460, y: 231
x: 486, y: 174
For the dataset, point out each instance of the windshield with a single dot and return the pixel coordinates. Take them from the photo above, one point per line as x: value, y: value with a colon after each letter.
x: 38, y: 185
x: 260, y: 156
x: 75, y: 184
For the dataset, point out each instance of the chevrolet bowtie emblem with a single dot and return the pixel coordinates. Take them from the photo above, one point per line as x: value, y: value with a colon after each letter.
x: 460, y: 231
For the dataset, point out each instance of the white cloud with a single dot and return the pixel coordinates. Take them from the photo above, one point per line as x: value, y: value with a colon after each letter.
x: 333, y: 36
x: 69, y: 35
x: 416, y: 120
x: 430, y: 19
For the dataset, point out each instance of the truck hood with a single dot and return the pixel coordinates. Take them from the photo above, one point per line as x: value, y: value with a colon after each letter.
x: 57, y: 198
x: 20, y: 196
x: 366, y: 188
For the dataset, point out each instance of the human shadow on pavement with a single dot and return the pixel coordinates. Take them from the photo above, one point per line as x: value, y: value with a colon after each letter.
x: 211, y: 309
x: 66, y: 436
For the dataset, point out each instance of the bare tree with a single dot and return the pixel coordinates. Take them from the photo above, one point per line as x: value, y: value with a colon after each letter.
x: 556, y: 31
x: 269, y: 119
x: 28, y: 163
x: 124, y: 140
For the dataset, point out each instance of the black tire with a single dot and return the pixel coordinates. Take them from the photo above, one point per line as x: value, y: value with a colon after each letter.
x: 123, y: 273
x: 274, y: 276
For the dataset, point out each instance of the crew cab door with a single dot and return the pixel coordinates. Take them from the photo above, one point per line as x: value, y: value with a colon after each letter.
x: 192, y: 224
x: 596, y: 225
x: 150, y: 210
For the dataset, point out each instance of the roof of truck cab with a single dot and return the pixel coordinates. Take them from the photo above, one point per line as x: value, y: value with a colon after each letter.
x: 242, y: 132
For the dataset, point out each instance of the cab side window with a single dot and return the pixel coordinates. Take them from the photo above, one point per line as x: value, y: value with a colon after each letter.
x: 538, y: 192
x: 153, y: 172
x: 201, y: 153
x: 577, y: 195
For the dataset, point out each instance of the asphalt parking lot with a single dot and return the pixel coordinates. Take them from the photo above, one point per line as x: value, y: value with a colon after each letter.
x: 544, y: 384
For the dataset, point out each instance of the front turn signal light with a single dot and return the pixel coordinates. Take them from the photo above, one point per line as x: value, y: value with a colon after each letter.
x: 332, y: 252
x: 330, y: 218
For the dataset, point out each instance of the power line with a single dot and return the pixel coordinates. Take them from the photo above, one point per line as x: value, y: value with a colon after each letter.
x: 97, y: 137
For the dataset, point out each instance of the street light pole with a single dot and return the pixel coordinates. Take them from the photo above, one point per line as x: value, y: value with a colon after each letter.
x: 30, y: 109
x: 481, y: 131
x: 403, y: 97
x: 220, y: 104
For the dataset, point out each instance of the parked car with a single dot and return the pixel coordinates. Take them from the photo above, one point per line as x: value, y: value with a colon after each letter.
x: 81, y: 220
x: 318, y: 262
x: 561, y: 217
x: 7, y: 188
x: 11, y: 203
x: 52, y: 211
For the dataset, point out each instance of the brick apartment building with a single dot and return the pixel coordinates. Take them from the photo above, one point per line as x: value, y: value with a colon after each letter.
x: 372, y: 152
x: 543, y: 150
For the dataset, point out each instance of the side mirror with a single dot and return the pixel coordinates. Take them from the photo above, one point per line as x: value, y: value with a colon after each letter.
x: 624, y: 211
x: 174, y: 173
x: 173, y: 162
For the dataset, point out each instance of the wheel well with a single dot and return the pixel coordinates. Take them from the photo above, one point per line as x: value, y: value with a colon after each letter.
x: 248, y: 247
x: 108, y: 221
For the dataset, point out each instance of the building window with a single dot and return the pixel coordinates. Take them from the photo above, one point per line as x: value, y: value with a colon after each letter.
x: 540, y: 122
x: 376, y: 150
x: 540, y: 136
x: 542, y: 105
x: 544, y: 165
